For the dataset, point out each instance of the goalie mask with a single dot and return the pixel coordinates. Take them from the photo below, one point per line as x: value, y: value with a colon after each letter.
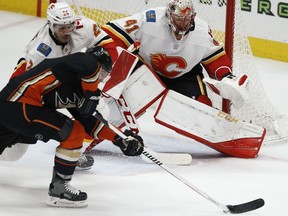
x: 180, y: 17
x: 61, y: 20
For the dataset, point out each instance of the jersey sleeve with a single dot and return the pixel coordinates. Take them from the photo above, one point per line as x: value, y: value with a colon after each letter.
x: 20, y: 67
x: 125, y: 31
x: 96, y: 36
x: 34, y: 53
x: 216, y: 62
x: 29, y: 60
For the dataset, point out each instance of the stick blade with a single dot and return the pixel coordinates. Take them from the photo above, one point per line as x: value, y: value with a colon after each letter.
x: 246, y: 207
x: 169, y: 158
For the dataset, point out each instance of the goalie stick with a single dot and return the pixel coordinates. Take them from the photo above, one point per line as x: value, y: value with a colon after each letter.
x: 132, y: 124
x: 233, y: 209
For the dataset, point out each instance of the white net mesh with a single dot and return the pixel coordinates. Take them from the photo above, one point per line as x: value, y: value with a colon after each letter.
x: 259, y: 111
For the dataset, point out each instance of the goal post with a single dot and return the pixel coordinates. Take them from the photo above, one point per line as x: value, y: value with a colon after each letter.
x: 228, y: 26
x: 229, y: 29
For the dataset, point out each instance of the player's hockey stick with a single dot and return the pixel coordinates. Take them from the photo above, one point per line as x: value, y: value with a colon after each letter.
x: 131, y: 122
x: 234, y: 209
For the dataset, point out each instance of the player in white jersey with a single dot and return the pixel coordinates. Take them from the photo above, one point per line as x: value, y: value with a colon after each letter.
x: 177, y: 44
x: 63, y: 34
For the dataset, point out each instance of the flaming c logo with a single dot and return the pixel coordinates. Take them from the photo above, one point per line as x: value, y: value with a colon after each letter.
x: 168, y: 66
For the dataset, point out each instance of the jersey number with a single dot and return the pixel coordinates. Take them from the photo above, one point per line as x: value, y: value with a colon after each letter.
x: 131, y: 25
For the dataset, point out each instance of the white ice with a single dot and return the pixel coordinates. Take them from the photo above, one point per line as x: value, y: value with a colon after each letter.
x: 119, y: 185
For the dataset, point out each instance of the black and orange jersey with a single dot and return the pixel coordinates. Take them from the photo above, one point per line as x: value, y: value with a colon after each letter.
x: 55, y: 83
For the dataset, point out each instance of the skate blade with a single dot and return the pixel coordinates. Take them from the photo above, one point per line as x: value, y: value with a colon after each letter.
x: 82, y: 168
x: 63, y: 203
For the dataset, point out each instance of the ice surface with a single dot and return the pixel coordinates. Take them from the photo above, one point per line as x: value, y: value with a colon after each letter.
x: 123, y: 186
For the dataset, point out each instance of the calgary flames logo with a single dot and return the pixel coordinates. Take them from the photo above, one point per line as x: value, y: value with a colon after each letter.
x: 168, y: 66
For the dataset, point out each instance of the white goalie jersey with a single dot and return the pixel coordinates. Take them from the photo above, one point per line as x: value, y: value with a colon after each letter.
x: 167, y: 56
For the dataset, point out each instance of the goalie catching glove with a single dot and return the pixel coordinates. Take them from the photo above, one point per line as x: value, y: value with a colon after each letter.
x: 130, y: 146
x: 230, y: 87
x: 90, y: 100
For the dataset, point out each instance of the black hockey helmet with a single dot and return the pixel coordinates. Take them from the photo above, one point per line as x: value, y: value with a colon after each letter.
x: 102, y: 56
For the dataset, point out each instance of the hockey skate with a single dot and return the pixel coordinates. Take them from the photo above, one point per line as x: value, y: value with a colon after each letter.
x: 85, y: 162
x: 62, y: 194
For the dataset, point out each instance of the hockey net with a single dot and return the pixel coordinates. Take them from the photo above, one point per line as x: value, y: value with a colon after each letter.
x: 259, y: 110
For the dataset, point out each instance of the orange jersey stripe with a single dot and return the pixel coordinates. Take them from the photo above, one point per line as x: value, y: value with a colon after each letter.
x: 31, y: 90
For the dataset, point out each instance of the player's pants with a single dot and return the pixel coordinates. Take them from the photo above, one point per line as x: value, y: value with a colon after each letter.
x: 18, y: 120
x: 32, y: 121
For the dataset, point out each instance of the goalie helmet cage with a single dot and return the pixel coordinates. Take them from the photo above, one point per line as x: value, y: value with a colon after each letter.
x: 229, y: 31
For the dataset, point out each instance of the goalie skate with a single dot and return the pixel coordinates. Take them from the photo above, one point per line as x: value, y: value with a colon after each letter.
x: 85, y: 162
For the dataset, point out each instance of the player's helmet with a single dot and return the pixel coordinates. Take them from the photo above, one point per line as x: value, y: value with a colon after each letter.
x: 180, y: 17
x: 60, y: 14
x: 102, y: 56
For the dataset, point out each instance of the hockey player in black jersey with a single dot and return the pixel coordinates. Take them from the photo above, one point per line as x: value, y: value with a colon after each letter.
x: 28, y: 112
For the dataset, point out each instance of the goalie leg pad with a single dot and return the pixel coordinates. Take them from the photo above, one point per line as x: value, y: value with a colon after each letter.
x: 209, y: 126
x: 119, y: 75
x: 141, y: 91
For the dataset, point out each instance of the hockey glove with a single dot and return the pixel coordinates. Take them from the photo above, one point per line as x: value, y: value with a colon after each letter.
x: 87, y: 105
x: 132, y: 145
x: 230, y: 87
x: 102, y: 56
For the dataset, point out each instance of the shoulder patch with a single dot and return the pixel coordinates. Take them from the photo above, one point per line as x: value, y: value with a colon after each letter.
x: 44, y: 49
x: 150, y: 16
